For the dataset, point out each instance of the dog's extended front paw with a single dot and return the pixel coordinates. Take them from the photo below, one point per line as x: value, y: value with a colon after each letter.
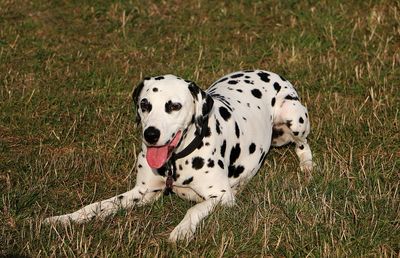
x: 306, y: 166
x: 63, y: 219
x: 181, y: 232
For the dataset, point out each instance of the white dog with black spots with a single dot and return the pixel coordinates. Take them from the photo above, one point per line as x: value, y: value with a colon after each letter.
x: 203, y: 145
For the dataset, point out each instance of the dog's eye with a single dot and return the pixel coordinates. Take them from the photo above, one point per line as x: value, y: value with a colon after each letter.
x: 145, y: 105
x: 171, y: 106
x: 176, y: 106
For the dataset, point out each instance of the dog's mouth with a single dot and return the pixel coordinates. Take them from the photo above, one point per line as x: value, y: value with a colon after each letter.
x: 157, y: 156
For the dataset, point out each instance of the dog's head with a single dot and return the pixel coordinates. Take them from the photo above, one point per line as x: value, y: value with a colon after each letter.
x: 166, y: 106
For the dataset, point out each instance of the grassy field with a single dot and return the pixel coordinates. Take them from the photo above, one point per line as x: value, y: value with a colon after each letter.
x: 68, y: 137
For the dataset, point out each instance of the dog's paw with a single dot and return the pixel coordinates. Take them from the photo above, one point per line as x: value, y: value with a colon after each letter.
x: 306, y: 166
x: 63, y: 220
x: 181, y: 232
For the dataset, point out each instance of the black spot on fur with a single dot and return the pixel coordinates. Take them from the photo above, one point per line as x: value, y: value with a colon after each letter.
x: 239, y: 90
x: 210, y: 163
x: 301, y: 147
x: 277, y: 87
x: 217, y: 128
x: 296, y: 133
x: 121, y: 197
x: 223, y: 148
x: 207, y: 106
x: 234, y: 171
x: 197, y: 163
x: 306, y: 115
x: 194, y: 89
x: 140, y: 166
x: 237, y: 75
x: 277, y: 132
x: 237, y: 131
x: 252, y: 148
x: 273, y: 101
x: 155, y: 89
x: 262, y: 158
x: 187, y: 181
x: 223, y: 191
x: 248, y: 82
x: 235, y: 153
x: 282, y: 78
x: 159, y: 78
x: 264, y: 76
x: 256, y: 93
x: 232, y: 82
x: 220, y: 164
x: 301, y: 120
x: 222, y: 80
x: 289, y: 123
x: 224, y: 113
x: 289, y: 97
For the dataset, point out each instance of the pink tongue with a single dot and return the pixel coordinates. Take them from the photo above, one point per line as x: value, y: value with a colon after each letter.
x: 158, y: 156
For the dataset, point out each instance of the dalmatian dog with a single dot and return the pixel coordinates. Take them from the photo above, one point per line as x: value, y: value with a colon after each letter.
x: 203, y: 145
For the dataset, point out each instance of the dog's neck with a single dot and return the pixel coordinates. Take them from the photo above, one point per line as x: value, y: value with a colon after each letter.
x: 192, y: 139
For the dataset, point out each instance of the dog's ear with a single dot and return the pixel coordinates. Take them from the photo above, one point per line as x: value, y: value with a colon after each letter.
x: 203, y: 105
x: 135, y: 98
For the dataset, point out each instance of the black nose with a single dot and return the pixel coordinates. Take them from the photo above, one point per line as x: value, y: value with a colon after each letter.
x: 151, y: 135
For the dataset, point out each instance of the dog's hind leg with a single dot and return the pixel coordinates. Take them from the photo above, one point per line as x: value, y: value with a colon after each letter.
x: 291, y: 124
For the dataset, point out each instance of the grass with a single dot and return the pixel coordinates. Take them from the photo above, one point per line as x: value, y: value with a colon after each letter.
x: 68, y: 137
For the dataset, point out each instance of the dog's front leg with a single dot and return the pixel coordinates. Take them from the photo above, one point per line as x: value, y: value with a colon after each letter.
x: 148, y: 188
x: 139, y: 195
x: 186, y: 228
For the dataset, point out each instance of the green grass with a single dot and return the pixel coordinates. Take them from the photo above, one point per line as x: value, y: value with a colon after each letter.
x: 68, y: 137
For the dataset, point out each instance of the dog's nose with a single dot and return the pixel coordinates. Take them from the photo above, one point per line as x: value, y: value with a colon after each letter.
x: 151, y: 135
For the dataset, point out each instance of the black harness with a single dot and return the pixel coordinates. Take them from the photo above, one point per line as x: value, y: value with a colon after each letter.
x: 171, y: 164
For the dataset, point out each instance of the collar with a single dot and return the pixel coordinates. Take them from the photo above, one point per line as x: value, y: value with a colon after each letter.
x: 171, y: 164
x: 195, y: 143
